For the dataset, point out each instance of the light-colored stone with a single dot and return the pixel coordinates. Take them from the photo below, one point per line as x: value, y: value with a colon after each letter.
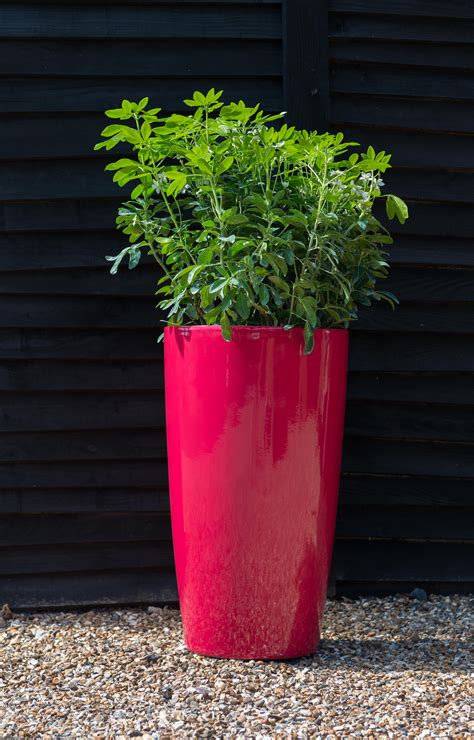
x: 387, y: 668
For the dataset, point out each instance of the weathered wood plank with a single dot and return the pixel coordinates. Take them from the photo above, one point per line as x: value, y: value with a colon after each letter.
x: 157, y: 21
x: 442, y: 317
x: 414, y: 284
x: 413, y: 387
x: 421, y: 523
x: 403, y: 561
x: 423, y: 54
x: 42, y: 529
x: 370, y: 351
x: 421, y: 8
x: 409, y: 82
x: 376, y: 351
x: 109, y: 312
x: 139, y: 586
x: 410, y: 420
x: 384, y: 26
x: 37, y: 251
x: 69, y: 95
x: 109, y: 443
x: 111, y: 58
x: 81, y: 375
x: 85, y: 557
x: 409, y: 456
x: 84, y: 178
x: 60, y: 411
x: 84, y: 500
x: 117, y: 473
x: 406, y: 490
x: 419, y: 114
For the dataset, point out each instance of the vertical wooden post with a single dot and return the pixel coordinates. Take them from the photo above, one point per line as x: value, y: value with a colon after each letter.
x: 306, y: 67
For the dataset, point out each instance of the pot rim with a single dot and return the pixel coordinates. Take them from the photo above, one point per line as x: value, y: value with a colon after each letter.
x: 245, y: 327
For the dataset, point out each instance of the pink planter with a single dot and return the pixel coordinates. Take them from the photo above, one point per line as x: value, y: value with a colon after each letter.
x: 254, y: 445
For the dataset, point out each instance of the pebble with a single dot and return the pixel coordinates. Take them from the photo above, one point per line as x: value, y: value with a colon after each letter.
x: 387, y: 668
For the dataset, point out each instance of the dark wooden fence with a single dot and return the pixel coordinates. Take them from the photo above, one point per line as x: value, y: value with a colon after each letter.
x: 83, y: 487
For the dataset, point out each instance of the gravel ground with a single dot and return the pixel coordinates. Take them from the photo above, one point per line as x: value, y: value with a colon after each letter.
x: 391, y: 667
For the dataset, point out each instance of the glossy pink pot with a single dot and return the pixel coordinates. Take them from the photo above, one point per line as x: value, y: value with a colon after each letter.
x: 254, y: 433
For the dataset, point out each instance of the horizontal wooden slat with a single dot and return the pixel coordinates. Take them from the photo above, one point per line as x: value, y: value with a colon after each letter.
x: 447, y: 317
x: 416, y: 82
x: 106, y: 444
x: 432, y: 185
x: 437, y: 219
x: 370, y: 351
x: 82, y: 343
x: 120, y: 473
x: 81, y: 375
x: 405, y: 490
x: 401, y: 113
x: 367, y: 455
x: 169, y: 58
x: 159, y: 21
x: 433, y: 251
x: 38, y: 251
x: 68, y: 178
x: 55, y: 135
x: 139, y: 283
x: 403, y: 561
x: 108, y: 375
x: 113, y: 3
x: 423, y: 522
x: 104, y: 311
x: 356, y: 489
x: 138, y: 586
x: 81, y: 411
x: 38, y: 529
x: 410, y: 420
x: 84, y: 178
x: 414, y: 284
x: 84, y: 500
x: 70, y: 558
x: 380, y: 589
x: 32, y: 95
x: 414, y: 53
x: 433, y: 285
x: 122, y: 311
x: 422, y: 8
x: 411, y: 352
x: 384, y: 26
x: 416, y: 387
x: 417, y: 150
x: 49, y: 250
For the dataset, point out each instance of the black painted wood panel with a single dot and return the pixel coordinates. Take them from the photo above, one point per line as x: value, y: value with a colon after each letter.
x: 403, y: 81
x: 84, y: 510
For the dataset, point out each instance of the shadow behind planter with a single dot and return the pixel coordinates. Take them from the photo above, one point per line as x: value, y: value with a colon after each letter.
x: 254, y: 431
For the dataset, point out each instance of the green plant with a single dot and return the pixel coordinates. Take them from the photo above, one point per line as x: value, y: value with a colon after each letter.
x: 250, y: 223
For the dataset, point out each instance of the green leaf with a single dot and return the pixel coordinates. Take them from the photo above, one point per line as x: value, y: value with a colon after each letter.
x: 263, y: 295
x: 218, y: 284
x: 225, y: 327
x: 134, y: 258
x: 396, y: 207
x: 242, y: 305
x: 224, y: 165
x: 121, y: 163
x: 308, y: 339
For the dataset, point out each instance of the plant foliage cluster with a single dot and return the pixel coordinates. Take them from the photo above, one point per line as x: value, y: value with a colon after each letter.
x: 250, y: 222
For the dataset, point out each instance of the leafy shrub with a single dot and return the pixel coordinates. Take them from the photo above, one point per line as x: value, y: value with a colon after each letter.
x: 250, y: 223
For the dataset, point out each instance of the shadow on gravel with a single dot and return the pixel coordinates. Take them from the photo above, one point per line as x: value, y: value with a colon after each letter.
x: 441, y: 656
